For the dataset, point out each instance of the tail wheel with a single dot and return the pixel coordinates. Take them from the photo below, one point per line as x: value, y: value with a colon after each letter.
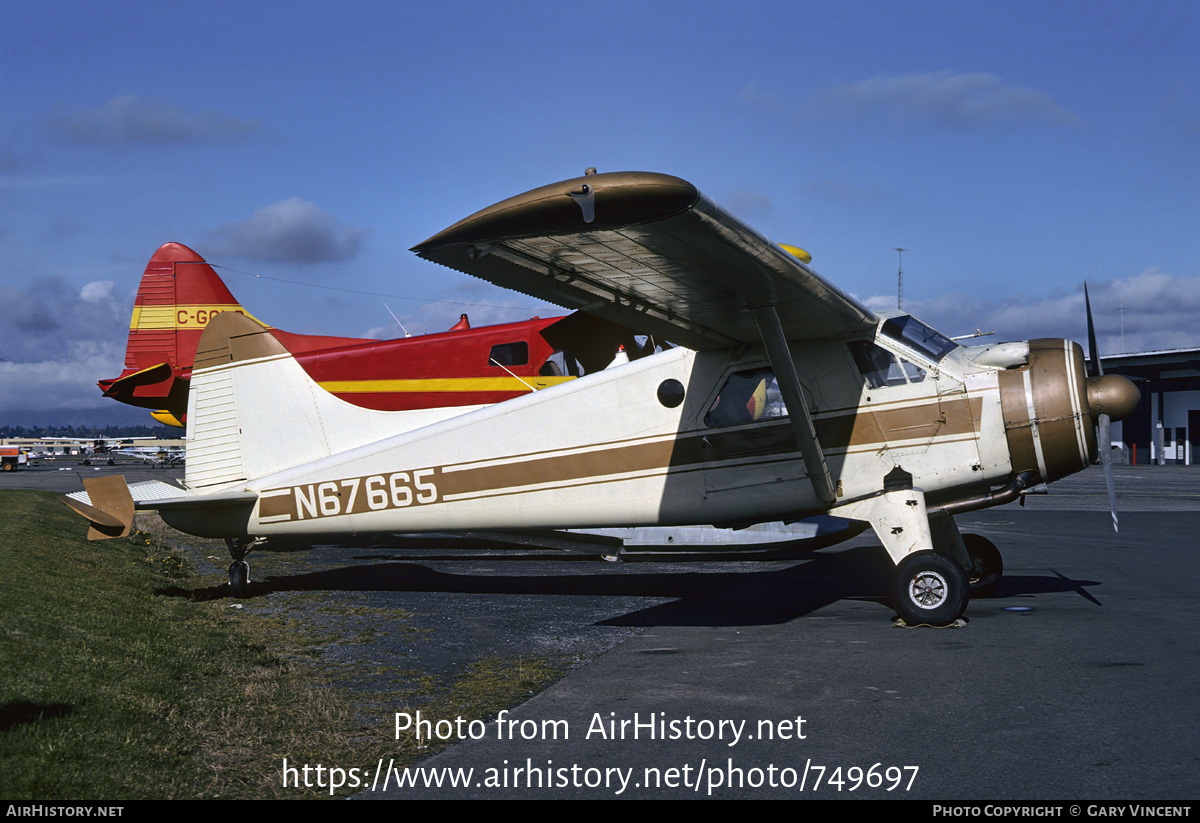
x: 930, y: 588
x: 987, y: 566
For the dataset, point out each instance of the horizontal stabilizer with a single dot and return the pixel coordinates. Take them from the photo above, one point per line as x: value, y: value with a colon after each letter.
x: 155, y: 494
x: 123, y: 387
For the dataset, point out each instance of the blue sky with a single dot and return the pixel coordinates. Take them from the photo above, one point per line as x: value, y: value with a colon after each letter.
x: 1014, y: 148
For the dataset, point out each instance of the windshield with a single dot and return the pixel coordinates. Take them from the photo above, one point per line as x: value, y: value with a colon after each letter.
x: 911, y: 332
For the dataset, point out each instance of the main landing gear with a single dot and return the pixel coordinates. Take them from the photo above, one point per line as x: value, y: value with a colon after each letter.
x: 932, y: 588
x: 239, y: 569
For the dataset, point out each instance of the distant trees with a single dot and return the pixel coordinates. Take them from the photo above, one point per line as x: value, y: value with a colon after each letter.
x: 160, y: 432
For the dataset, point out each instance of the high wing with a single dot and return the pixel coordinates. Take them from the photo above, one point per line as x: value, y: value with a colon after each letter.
x: 649, y: 251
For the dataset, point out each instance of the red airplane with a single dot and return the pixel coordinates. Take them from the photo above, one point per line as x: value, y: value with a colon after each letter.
x: 180, y: 293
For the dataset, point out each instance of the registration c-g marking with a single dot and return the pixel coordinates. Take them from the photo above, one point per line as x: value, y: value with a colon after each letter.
x: 376, y: 492
x: 200, y: 317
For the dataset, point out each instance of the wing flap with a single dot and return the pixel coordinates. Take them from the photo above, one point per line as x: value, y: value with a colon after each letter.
x: 655, y: 255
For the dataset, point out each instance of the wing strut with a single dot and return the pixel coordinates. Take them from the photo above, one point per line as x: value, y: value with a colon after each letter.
x: 801, y: 421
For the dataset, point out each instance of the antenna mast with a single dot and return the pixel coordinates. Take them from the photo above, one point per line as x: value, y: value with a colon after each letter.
x: 900, y: 278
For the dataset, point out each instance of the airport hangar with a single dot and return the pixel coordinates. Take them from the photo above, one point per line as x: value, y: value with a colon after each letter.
x: 1165, y: 428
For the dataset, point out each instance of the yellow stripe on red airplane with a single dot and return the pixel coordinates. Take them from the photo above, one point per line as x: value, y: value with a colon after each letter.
x: 442, y: 384
x: 148, y: 318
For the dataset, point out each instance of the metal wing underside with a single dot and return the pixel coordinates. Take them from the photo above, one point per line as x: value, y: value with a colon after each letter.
x: 655, y: 255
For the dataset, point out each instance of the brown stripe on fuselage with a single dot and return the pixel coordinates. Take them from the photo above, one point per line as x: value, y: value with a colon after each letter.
x: 620, y: 460
x: 768, y: 438
x: 276, y: 505
x: 765, y: 439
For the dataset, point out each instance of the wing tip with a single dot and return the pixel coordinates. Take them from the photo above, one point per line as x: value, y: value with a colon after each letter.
x: 621, y: 198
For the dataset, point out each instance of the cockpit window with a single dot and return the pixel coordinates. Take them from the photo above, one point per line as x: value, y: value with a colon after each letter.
x: 911, y: 332
x: 747, y: 396
x: 879, y: 367
x: 509, y: 354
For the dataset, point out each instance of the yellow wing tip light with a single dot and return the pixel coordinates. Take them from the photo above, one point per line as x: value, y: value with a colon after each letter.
x: 797, y: 252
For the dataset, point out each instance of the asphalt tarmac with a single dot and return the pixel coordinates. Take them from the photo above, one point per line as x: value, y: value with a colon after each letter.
x: 1076, y: 680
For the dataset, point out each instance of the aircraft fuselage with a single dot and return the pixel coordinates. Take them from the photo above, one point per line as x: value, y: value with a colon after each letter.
x: 672, y: 439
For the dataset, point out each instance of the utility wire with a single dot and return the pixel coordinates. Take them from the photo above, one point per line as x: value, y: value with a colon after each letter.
x: 369, y: 293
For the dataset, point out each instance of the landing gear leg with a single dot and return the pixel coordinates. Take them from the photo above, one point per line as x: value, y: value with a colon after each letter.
x: 239, y: 569
x: 930, y: 585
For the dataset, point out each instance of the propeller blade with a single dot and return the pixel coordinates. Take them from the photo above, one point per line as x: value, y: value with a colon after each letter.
x: 1094, y: 366
x: 1103, y: 421
x: 1104, y: 446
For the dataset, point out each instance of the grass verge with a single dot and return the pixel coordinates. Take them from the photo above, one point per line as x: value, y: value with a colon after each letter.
x: 111, y: 690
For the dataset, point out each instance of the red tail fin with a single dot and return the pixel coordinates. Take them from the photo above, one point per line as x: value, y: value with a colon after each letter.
x: 178, y: 295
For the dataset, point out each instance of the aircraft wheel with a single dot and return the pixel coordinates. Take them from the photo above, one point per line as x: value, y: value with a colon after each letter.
x: 239, y: 578
x: 987, y: 566
x: 930, y: 588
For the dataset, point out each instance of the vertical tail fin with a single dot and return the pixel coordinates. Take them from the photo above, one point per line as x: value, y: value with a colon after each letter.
x: 178, y: 295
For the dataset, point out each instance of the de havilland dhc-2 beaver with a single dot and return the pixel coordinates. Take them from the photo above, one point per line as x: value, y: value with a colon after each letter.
x: 784, y: 398
x: 464, y: 368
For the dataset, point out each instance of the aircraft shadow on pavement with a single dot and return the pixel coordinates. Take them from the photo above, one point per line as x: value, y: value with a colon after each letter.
x: 697, y: 597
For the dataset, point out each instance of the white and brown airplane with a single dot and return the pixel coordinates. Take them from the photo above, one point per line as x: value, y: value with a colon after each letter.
x: 786, y: 399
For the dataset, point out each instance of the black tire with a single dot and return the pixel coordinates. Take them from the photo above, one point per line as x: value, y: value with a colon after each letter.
x: 930, y: 589
x: 987, y: 566
x: 239, y: 578
x: 10, y: 467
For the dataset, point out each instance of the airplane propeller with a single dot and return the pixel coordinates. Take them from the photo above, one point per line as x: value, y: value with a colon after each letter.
x: 1108, y: 396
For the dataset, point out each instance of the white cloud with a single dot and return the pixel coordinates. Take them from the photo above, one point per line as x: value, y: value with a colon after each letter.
x: 60, y: 340
x: 964, y: 101
x: 130, y: 119
x: 98, y: 291
x: 290, y: 231
x: 67, y: 382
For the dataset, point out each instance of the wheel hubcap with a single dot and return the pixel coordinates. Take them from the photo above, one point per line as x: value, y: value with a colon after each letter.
x: 927, y: 590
